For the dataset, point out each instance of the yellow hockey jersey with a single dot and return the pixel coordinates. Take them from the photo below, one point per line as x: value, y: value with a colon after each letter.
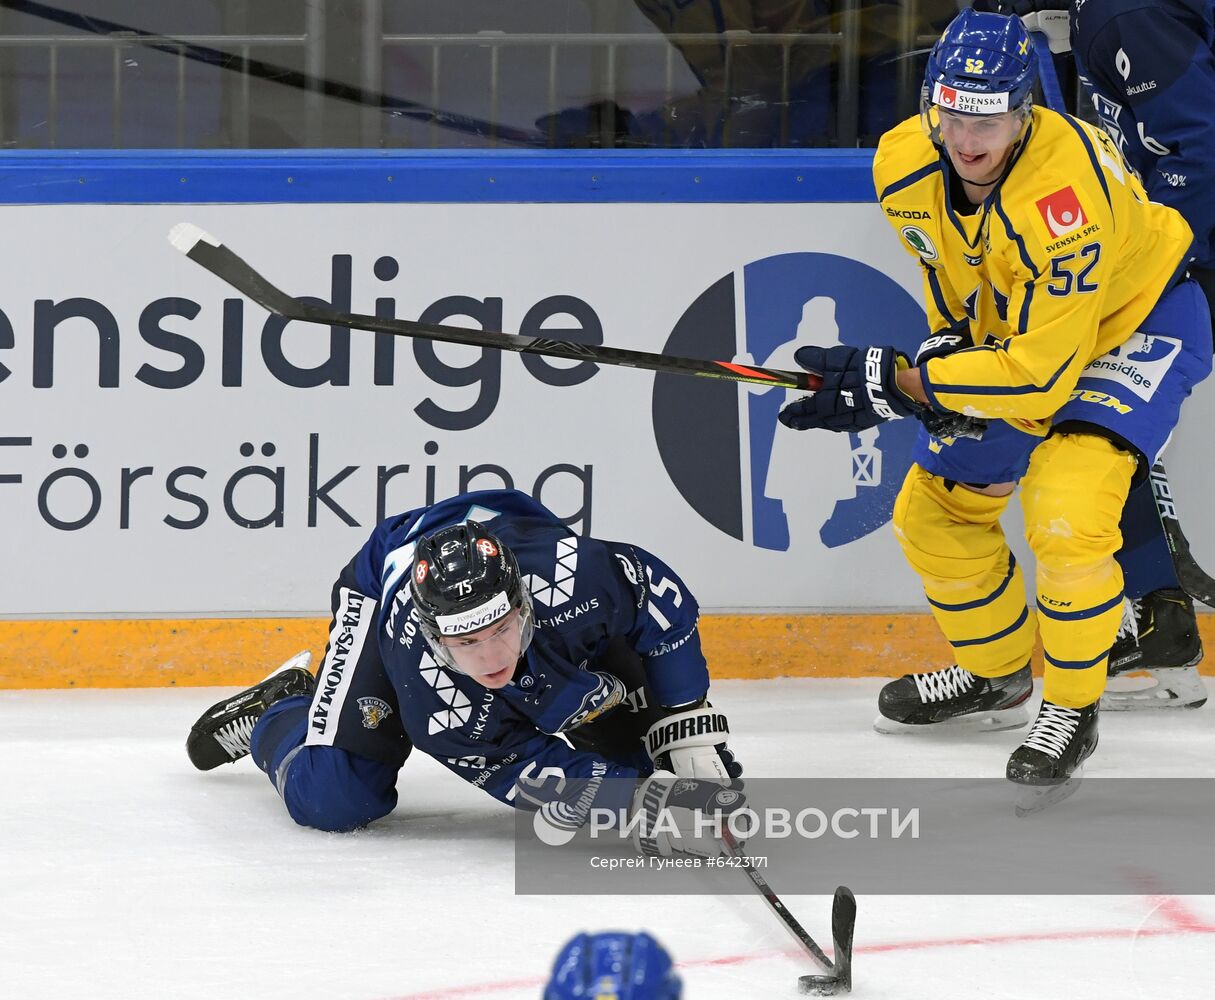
x: 1062, y: 261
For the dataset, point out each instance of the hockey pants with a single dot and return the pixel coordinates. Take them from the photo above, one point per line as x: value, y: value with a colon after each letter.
x: 1072, y: 495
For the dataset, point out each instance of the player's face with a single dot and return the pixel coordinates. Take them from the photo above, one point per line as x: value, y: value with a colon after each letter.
x: 489, y: 655
x: 979, y: 145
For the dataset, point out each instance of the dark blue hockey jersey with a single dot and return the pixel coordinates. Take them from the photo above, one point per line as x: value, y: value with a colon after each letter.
x: 585, y: 593
x: 1149, y: 67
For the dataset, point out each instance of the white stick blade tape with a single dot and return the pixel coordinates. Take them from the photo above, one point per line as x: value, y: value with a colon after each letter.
x: 185, y: 235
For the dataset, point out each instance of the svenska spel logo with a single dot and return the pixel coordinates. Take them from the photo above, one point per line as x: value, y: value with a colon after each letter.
x: 1062, y: 212
x: 720, y: 442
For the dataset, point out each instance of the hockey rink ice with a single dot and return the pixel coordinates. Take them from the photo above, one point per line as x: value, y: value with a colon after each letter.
x: 128, y: 874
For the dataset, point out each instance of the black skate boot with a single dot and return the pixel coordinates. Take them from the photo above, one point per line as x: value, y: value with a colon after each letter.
x: 222, y: 734
x: 1059, y: 741
x: 954, y: 697
x: 1159, y: 642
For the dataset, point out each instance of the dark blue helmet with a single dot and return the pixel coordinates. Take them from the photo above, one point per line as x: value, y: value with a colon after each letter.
x: 983, y: 64
x: 613, y: 965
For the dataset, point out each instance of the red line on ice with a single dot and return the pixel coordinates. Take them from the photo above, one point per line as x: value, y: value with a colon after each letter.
x: 1181, y: 920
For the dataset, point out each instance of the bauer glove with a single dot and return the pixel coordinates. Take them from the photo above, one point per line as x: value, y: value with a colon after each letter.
x: 947, y: 423
x: 858, y: 390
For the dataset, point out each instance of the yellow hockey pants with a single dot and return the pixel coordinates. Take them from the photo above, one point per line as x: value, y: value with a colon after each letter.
x: 1072, y: 497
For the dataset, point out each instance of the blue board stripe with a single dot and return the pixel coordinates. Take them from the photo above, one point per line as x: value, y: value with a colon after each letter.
x: 36, y: 177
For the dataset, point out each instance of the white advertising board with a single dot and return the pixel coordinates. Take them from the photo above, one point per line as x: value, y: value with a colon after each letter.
x: 169, y: 449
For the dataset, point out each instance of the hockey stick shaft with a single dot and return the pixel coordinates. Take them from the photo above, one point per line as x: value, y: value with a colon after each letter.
x: 809, y: 945
x: 1194, y: 581
x: 1047, y: 75
x: 226, y: 265
x: 277, y: 74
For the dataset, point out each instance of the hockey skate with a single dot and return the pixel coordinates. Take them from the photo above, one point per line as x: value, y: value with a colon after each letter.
x: 223, y: 732
x: 954, y: 698
x: 1154, y: 660
x: 1050, y: 761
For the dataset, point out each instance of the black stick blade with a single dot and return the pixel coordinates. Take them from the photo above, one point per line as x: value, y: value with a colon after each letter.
x: 210, y: 253
x: 205, y: 250
x: 843, y: 923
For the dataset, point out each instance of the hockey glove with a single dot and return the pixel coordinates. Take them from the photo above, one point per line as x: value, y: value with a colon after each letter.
x: 681, y: 816
x: 692, y: 744
x: 1050, y: 17
x: 858, y: 390
x: 947, y: 423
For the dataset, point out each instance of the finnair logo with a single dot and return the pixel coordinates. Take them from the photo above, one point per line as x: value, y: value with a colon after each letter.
x: 553, y: 594
x: 476, y: 618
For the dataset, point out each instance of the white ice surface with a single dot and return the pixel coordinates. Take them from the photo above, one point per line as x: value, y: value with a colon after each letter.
x: 126, y: 874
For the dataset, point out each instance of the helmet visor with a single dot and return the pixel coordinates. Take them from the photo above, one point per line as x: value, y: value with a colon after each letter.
x: 996, y: 121
x: 487, y: 649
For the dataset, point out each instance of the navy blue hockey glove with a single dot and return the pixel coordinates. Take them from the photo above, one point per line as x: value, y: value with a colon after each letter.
x: 858, y: 390
x: 947, y: 423
x: 682, y: 816
x: 1050, y: 17
x: 692, y: 744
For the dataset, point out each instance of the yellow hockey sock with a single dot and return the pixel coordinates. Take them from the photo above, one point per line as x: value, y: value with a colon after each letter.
x: 953, y: 540
x: 1073, y: 496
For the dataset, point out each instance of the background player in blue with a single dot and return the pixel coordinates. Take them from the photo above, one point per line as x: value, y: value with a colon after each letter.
x: 531, y: 661
x: 1149, y: 68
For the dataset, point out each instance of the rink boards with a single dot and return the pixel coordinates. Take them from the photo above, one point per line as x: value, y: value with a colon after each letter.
x: 181, y: 475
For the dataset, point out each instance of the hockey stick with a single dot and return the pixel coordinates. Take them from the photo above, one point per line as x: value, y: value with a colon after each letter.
x: 1047, y: 76
x: 276, y: 73
x: 1190, y: 575
x: 843, y: 920
x: 223, y: 263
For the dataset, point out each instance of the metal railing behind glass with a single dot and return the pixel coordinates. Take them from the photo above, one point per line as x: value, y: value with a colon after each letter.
x: 604, y: 53
x: 342, y: 81
x: 119, y: 47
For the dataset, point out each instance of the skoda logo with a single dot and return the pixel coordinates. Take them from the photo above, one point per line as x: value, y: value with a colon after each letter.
x: 920, y: 242
x: 720, y: 442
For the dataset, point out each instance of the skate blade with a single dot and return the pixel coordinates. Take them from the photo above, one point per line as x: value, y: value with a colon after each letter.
x: 1035, y: 798
x: 1154, y: 688
x: 986, y: 722
x: 302, y: 660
